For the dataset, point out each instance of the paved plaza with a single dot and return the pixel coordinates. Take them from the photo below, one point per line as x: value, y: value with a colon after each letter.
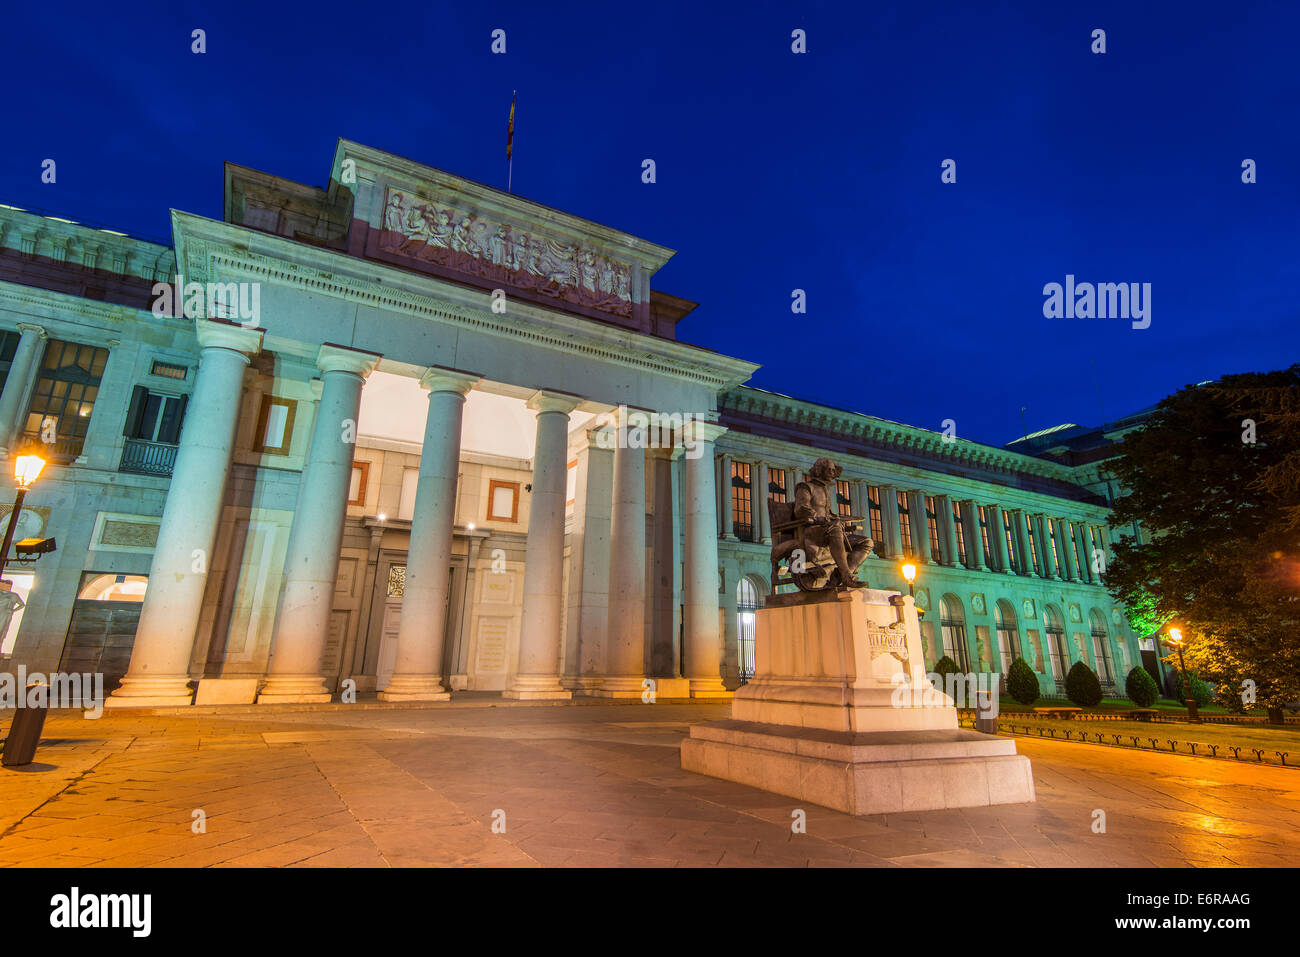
x: 482, y: 783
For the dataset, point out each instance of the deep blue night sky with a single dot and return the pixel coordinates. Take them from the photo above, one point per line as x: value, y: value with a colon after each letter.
x: 776, y: 171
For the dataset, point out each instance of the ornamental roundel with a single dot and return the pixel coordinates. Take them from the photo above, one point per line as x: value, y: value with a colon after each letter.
x: 1029, y: 609
x: 923, y: 598
x: 977, y: 604
x: 1075, y: 613
x: 1116, y: 617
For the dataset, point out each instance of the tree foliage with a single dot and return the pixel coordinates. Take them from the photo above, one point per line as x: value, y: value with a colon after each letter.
x: 1022, y: 683
x: 1141, y: 687
x: 1222, y: 517
x: 1082, y: 686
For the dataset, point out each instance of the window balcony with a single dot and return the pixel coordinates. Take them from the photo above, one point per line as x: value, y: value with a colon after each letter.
x: 147, y: 458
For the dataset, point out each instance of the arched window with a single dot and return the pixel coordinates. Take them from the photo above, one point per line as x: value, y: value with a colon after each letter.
x: 746, y: 606
x: 952, y: 624
x: 1008, y: 634
x: 114, y: 588
x: 1056, y: 642
x: 1101, y: 648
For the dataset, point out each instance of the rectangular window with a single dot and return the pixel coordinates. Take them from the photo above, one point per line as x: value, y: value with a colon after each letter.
x: 843, y: 499
x: 275, y: 425
x: 66, y: 388
x: 154, y: 417
x: 1012, y: 557
x: 984, y: 535
x: 742, y: 513
x: 776, y: 487
x: 571, y: 484
x: 1077, y: 536
x: 932, y: 522
x: 357, y: 486
x: 1034, y: 557
x: 877, y: 522
x: 959, y: 532
x: 503, y: 501
x: 1056, y: 552
x: 1101, y: 656
x: 904, y: 524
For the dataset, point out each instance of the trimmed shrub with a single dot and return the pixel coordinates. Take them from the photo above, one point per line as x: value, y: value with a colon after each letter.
x: 1141, y: 687
x: 1202, y: 691
x: 1022, y: 683
x: 1082, y: 686
x: 944, y: 667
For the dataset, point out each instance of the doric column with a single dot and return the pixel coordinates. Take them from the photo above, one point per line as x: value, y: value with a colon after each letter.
x: 1084, y: 556
x: 889, y: 520
x: 588, y: 617
x: 164, y: 639
x: 312, y: 561
x: 22, y: 370
x: 417, y: 668
x: 539, y: 635
x: 762, y: 522
x: 943, y: 510
x: 1018, y: 519
x: 1050, y: 563
x: 970, y: 515
x: 1065, y: 544
x: 728, y: 522
x: 625, y: 635
x: 920, y: 527
x: 998, y: 540
x: 703, y: 651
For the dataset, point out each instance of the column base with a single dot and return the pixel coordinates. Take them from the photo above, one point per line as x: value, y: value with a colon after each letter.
x: 580, y: 684
x: 415, y: 688
x: 536, y: 688
x: 167, y: 691
x: 709, y: 688
x: 294, y: 689
x: 621, y: 686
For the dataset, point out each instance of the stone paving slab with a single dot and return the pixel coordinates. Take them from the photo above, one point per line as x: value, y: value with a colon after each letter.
x: 594, y: 786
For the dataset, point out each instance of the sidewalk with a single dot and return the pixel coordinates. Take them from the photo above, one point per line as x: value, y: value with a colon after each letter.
x: 478, y: 784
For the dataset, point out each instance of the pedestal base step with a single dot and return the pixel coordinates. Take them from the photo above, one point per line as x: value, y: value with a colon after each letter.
x: 873, y: 773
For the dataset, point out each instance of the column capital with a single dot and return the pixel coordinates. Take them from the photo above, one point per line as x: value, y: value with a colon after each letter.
x: 221, y: 334
x: 33, y: 328
x: 448, y: 380
x: 552, y: 400
x: 701, y: 430
x: 334, y: 358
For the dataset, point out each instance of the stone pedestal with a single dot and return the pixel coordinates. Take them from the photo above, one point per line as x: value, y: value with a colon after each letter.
x: 829, y: 719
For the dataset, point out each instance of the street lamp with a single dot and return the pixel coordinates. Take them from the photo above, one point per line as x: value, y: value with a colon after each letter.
x: 27, y: 468
x: 909, y: 573
x: 1175, y: 640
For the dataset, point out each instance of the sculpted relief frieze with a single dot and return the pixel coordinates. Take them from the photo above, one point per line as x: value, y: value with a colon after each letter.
x: 499, y: 252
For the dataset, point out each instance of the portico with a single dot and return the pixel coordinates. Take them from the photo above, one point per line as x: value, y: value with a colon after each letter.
x: 502, y: 357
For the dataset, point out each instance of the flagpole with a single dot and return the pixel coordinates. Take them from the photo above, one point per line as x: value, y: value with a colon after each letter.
x: 510, y: 144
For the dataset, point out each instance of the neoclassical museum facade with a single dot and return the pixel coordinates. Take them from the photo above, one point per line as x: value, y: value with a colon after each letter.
x: 389, y: 433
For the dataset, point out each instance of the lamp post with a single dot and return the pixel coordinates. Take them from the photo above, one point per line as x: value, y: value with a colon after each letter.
x: 909, y: 573
x: 26, y: 470
x: 1175, y: 639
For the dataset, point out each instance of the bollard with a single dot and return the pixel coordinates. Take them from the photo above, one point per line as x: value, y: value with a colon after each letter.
x: 24, y: 733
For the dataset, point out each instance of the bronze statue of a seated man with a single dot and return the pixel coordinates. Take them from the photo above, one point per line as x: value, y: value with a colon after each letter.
x: 816, y: 529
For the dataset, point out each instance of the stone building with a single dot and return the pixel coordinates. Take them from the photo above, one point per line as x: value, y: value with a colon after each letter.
x: 390, y: 431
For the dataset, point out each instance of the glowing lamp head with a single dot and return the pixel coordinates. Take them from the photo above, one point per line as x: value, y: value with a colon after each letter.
x: 27, y: 468
x: 909, y: 572
x: 382, y: 517
x: 1175, y: 636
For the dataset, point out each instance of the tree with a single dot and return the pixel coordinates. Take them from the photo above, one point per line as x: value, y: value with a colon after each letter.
x: 1214, y: 479
x: 1082, y: 686
x: 1141, y: 687
x: 1022, y: 683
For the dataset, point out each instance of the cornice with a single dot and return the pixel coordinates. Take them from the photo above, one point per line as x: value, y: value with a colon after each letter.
x: 29, y: 299
x: 206, y: 248
x: 91, y: 247
x: 891, y: 435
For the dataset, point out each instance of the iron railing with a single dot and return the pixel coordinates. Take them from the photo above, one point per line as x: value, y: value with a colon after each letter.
x: 147, y: 458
